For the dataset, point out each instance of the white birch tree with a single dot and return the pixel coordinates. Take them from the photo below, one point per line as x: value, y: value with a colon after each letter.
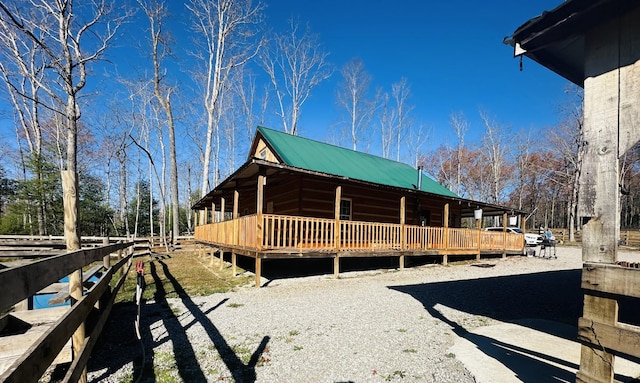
x: 296, y: 63
x: 225, y: 37
x: 156, y: 13
x: 401, y: 91
x: 352, y: 98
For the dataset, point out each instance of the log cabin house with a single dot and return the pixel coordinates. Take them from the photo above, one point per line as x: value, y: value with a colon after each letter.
x: 299, y: 198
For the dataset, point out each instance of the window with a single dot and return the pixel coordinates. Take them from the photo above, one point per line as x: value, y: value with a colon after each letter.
x: 263, y: 154
x: 345, y: 209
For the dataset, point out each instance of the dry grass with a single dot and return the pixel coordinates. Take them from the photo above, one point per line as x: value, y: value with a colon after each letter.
x: 180, y: 272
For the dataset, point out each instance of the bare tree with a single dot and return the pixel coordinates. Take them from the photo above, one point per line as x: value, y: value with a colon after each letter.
x: 352, y: 97
x: 523, y: 164
x: 496, y: 151
x: 69, y: 36
x: 387, y: 122
x: 460, y: 127
x: 225, y: 39
x: 20, y: 62
x: 401, y: 91
x: 567, y: 139
x: 414, y: 142
x: 295, y: 63
x: 156, y: 13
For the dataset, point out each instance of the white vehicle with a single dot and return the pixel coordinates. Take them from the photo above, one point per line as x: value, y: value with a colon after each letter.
x: 530, y: 239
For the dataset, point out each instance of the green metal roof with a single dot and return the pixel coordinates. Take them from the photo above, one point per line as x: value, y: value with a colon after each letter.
x: 316, y: 156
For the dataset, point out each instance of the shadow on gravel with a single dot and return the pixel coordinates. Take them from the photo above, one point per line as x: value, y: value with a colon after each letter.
x: 119, y: 341
x: 294, y: 268
x: 552, y: 296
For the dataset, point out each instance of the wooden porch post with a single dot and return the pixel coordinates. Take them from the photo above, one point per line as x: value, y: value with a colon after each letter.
x: 479, y: 224
x: 222, y: 207
x: 213, y: 212
x: 236, y: 235
x: 610, y: 130
x: 504, y: 234
x: 259, y: 226
x: 445, y: 254
x: 336, y: 231
x: 205, y: 216
x: 403, y: 239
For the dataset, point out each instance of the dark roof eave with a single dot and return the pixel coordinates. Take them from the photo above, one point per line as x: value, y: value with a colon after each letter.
x: 555, y: 39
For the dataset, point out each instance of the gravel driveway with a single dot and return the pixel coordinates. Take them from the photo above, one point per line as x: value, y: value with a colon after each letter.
x: 371, y: 326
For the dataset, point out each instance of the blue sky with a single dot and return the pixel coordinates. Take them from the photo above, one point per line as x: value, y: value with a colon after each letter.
x: 451, y: 52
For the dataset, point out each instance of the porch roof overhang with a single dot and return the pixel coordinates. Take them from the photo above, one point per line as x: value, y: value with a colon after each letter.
x: 556, y: 39
x: 245, y: 178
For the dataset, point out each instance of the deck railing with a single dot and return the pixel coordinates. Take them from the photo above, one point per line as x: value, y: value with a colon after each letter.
x: 304, y: 233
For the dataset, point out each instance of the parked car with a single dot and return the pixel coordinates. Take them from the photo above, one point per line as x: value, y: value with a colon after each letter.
x: 530, y: 239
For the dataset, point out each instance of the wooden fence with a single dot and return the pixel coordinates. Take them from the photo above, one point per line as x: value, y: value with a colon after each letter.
x: 301, y: 233
x: 22, y: 282
x: 599, y: 330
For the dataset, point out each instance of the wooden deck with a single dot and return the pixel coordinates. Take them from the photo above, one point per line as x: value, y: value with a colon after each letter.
x: 268, y: 236
x: 275, y: 235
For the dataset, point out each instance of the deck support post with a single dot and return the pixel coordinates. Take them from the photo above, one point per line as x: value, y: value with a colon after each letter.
x: 233, y: 264
x: 259, y: 224
x: 221, y: 260
x: 336, y: 232
x: 479, y: 225
x: 336, y: 213
x: 445, y: 251
x: 403, y: 234
x: 259, y: 207
x: 258, y: 270
x: 504, y: 235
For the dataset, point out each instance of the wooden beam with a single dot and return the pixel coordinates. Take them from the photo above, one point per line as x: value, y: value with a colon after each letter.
x: 234, y: 264
x: 622, y: 338
x: 20, y: 282
x: 336, y: 266
x: 258, y: 271
x: 35, y: 361
x: 504, y: 237
x: 403, y: 237
x: 222, y: 209
x: 611, y: 279
x: 336, y: 213
x: 63, y: 294
x: 259, y: 207
x: 236, y: 198
x: 446, y: 234
x: 213, y: 212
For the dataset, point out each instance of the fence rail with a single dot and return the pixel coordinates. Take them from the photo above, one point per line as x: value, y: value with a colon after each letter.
x: 22, y: 282
x: 304, y: 233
